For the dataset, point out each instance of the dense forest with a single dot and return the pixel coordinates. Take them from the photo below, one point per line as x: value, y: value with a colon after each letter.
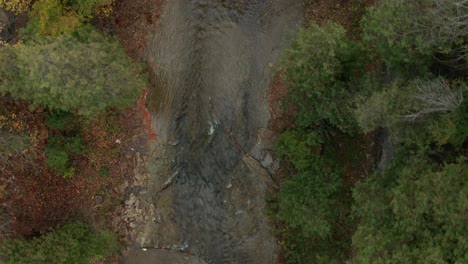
x: 396, y: 77
x: 376, y: 156
x: 65, y: 90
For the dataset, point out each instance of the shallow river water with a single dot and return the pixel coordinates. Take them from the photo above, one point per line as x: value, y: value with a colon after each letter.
x: 209, y: 101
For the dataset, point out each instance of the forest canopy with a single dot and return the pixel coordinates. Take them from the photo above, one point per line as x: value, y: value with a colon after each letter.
x: 401, y: 77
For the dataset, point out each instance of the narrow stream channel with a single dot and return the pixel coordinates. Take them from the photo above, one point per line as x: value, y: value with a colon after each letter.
x: 209, y: 100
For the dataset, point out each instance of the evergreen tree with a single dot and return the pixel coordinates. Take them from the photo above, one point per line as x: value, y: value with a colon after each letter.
x: 415, y: 213
x: 83, y: 71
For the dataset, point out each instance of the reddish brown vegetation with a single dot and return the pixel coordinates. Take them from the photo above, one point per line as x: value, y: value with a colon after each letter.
x: 346, y: 13
x: 136, y: 22
x: 33, y: 195
x: 357, y: 155
x: 146, y: 115
x: 37, y: 198
x: 282, y: 114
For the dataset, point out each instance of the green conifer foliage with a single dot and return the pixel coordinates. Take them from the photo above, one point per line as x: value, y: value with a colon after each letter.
x: 419, y: 218
x: 84, y: 71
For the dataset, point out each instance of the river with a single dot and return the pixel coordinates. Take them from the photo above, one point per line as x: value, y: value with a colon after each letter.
x: 206, y: 185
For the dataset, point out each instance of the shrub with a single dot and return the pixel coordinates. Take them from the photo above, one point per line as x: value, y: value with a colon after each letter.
x: 85, y: 71
x: 313, y: 172
x: 296, y: 146
x: 71, y: 144
x: 58, y: 119
x: 74, y: 243
x: 59, y: 160
x: 305, y: 199
x: 59, y: 151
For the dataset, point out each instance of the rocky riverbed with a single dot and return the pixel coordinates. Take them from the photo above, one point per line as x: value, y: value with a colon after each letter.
x: 202, y: 183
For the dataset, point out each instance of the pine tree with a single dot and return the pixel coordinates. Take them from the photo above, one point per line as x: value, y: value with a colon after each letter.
x: 83, y: 71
